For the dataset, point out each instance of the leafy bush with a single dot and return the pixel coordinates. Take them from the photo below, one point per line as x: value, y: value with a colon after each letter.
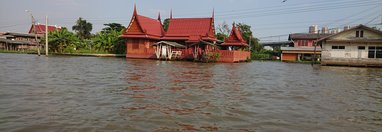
x: 210, y: 57
x: 60, y: 40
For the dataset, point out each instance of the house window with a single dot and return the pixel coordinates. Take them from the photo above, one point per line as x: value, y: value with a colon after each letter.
x: 375, y: 52
x: 359, y: 34
x: 338, y: 47
x: 361, y: 47
x: 135, y: 44
x: 303, y: 43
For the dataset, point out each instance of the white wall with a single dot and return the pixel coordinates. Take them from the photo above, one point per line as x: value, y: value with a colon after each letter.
x: 350, y: 51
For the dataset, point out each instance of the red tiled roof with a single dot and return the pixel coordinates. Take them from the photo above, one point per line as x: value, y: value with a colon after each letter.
x: 188, y: 29
x: 40, y: 29
x: 235, y: 38
x: 193, y: 29
x: 148, y: 27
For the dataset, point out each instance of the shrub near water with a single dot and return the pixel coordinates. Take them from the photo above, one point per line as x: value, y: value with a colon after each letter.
x: 262, y: 55
x: 210, y: 57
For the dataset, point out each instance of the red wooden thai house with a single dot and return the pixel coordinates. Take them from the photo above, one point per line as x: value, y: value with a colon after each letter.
x: 144, y: 35
x: 198, y: 34
x: 141, y: 33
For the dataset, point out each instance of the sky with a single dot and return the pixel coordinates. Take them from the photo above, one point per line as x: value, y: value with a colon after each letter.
x: 269, y: 19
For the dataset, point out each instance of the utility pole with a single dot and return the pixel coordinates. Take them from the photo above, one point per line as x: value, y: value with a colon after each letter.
x: 250, y: 38
x: 35, y: 32
x: 315, y: 47
x: 46, y: 36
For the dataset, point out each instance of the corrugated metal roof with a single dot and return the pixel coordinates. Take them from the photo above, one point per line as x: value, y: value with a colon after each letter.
x: 306, y: 36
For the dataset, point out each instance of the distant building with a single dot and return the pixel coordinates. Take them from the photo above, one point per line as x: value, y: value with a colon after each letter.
x: 40, y: 29
x: 18, y: 41
x: 24, y: 41
x: 303, y: 47
x: 313, y: 29
x: 357, y: 46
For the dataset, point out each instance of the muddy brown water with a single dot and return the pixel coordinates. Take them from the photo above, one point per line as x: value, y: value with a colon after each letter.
x: 61, y: 93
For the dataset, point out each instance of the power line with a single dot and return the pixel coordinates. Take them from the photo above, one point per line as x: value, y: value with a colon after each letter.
x: 367, y: 15
x: 373, y: 19
x: 296, y: 11
x: 347, y: 17
x: 277, y: 8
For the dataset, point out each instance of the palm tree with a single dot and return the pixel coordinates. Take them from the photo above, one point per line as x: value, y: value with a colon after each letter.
x: 83, y: 28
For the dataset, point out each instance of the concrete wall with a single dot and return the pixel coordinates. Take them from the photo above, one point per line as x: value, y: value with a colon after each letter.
x: 352, y: 62
x: 351, y: 55
x: 350, y: 51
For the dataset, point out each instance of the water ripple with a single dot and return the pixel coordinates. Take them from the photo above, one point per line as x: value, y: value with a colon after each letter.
x: 114, y: 94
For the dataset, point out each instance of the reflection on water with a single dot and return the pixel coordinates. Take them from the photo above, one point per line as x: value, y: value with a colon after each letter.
x: 87, y: 94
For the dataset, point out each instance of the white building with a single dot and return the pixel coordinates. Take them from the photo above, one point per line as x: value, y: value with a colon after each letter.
x: 358, y: 46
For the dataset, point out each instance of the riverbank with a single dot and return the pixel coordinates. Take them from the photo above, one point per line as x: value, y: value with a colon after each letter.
x: 66, y: 54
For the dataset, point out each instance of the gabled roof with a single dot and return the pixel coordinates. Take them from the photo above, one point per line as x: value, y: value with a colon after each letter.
x: 40, y: 28
x: 353, y: 28
x: 191, y: 29
x: 306, y: 36
x: 235, y: 38
x: 143, y: 27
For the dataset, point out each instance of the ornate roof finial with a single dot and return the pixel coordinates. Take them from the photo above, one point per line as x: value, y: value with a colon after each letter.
x: 135, y: 9
x: 213, y: 12
x: 171, y: 14
x: 159, y: 17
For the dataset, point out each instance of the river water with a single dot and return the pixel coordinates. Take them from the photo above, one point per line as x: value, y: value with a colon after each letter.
x: 63, y: 93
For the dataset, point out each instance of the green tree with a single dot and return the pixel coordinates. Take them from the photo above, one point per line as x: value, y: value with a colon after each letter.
x: 112, y: 26
x: 83, y: 28
x: 166, y: 22
x: 61, y: 41
x: 246, y: 32
x: 222, y: 31
x: 109, y: 42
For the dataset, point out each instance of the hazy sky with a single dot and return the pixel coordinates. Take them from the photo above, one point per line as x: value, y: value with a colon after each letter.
x: 267, y: 17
